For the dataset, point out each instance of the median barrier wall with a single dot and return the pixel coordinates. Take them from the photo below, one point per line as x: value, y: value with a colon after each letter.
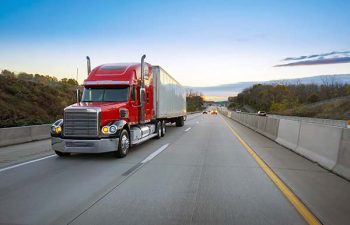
x: 39, y: 132
x: 319, y: 143
x: 261, y: 124
x: 271, y: 128
x: 343, y: 162
x: 18, y: 135
x: 288, y: 133
x: 252, y: 122
x: 327, y: 145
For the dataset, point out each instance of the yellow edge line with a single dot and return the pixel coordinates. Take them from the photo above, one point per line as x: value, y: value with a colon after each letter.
x: 293, y: 199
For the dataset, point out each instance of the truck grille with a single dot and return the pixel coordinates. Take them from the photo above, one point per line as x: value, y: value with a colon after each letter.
x: 81, y: 123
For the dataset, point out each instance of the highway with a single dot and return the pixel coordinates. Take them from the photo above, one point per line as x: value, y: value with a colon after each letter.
x: 201, y: 173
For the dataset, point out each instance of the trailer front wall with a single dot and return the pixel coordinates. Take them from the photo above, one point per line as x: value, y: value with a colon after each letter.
x: 171, y: 96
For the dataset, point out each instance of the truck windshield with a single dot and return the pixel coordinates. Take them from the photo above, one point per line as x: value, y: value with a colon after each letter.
x: 105, y: 94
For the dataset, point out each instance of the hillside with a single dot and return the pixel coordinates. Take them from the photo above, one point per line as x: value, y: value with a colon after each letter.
x: 235, y: 88
x: 330, y: 100
x: 27, y: 99
x: 338, y: 108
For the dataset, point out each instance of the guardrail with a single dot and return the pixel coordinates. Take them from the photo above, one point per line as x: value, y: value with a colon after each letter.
x: 18, y: 135
x: 329, y: 146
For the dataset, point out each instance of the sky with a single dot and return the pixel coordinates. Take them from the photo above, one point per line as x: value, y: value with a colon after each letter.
x: 200, y: 43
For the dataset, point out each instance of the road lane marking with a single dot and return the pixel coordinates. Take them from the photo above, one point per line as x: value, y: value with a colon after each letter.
x: 309, y: 217
x: 25, y: 163
x: 197, y: 122
x: 154, y: 154
x: 147, y: 159
x: 188, y: 129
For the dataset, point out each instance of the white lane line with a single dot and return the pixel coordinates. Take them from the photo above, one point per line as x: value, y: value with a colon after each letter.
x: 25, y: 163
x: 197, y: 122
x: 154, y: 154
x: 188, y: 129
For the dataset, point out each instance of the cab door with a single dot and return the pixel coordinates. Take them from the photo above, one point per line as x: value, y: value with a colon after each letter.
x: 134, y: 103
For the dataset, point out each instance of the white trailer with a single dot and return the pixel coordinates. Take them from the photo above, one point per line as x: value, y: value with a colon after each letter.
x: 169, y: 97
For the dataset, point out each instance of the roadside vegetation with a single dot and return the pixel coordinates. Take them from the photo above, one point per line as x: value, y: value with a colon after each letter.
x: 194, y: 101
x: 330, y: 100
x: 29, y: 99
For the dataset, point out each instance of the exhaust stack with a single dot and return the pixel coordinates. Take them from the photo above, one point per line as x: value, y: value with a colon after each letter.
x: 142, y: 90
x: 88, y: 65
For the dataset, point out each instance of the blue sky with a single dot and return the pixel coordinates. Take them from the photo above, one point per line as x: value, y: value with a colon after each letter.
x: 201, y: 43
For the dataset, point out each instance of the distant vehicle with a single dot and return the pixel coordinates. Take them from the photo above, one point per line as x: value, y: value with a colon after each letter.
x: 238, y: 111
x: 122, y: 105
x: 262, y: 113
x: 214, y: 112
x: 205, y: 112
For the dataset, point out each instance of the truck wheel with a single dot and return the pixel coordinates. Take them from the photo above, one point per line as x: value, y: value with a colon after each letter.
x: 180, y: 121
x: 159, y: 130
x: 62, y: 154
x: 163, y: 128
x: 123, y: 145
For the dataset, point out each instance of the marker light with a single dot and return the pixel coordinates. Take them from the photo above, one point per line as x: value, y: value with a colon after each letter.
x: 58, y: 129
x: 105, y: 130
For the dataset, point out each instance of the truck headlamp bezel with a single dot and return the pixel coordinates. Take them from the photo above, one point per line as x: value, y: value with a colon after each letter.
x: 113, y: 129
x: 56, y: 128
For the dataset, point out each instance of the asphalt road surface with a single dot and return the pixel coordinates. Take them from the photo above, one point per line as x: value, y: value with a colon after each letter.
x: 196, y: 174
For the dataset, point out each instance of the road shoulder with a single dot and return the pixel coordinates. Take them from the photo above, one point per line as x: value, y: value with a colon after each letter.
x: 326, y: 194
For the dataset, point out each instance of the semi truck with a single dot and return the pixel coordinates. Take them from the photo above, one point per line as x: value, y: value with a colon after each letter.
x: 122, y: 104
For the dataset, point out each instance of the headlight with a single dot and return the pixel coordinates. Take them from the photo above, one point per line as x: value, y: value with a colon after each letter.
x: 113, y: 129
x: 105, y: 130
x: 56, y: 129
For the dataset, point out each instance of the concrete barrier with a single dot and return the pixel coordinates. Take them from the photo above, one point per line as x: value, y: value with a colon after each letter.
x: 271, y: 128
x: 288, y: 133
x: 252, y: 122
x: 39, y: 132
x: 261, y: 124
x: 343, y: 162
x: 18, y: 135
x: 327, y: 145
x: 320, y: 143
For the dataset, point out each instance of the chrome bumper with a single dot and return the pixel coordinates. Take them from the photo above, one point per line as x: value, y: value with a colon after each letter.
x: 84, y: 146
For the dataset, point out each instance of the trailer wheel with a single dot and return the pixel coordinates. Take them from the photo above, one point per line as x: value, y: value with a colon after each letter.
x: 159, y: 129
x: 123, y: 145
x: 180, y: 121
x: 163, y: 128
x: 62, y: 154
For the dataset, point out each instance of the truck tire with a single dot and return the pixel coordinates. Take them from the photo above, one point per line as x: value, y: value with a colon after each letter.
x: 180, y: 121
x: 163, y: 128
x: 62, y: 154
x: 123, y: 145
x: 158, y: 130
